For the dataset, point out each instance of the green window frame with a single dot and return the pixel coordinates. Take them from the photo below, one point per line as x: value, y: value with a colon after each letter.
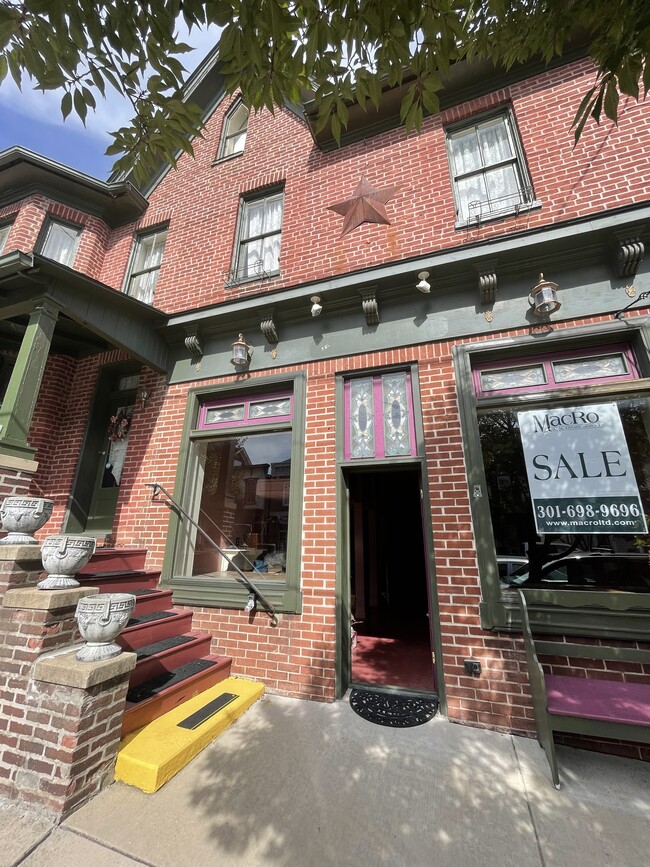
x: 228, y: 592
x: 144, y: 266
x: 259, y: 237
x: 570, y: 612
x: 233, y: 135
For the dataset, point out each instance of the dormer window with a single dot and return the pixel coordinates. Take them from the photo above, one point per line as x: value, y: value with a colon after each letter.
x: 233, y: 137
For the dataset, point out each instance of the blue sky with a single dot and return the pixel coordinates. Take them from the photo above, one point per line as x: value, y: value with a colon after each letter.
x: 33, y: 119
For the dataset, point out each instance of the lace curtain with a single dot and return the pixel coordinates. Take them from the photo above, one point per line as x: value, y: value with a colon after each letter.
x: 262, y: 223
x: 61, y: 243
x: 146, y: 266
x: 489, y: 189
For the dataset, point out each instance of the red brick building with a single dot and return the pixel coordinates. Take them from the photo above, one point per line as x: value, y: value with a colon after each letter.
x: 366, y: 462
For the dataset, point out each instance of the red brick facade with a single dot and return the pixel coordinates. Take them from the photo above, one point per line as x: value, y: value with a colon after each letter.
x: 200, y: 203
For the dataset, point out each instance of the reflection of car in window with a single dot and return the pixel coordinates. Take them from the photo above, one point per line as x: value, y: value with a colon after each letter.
x: 507, y: 565
x: 587, y: 571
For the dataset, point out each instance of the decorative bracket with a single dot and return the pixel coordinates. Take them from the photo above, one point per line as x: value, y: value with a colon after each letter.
x: 268, y: 327
x: 631, y: 251
x: 487, y: 282
x: 370, y: 306
x: 193, y: 344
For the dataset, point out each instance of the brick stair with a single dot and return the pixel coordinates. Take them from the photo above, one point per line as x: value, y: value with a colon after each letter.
x: 174, y: 662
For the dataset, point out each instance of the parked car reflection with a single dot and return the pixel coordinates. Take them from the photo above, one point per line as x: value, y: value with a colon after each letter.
x: 587, y: 571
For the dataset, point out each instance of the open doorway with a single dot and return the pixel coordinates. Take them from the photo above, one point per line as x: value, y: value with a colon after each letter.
x: 391, y: 642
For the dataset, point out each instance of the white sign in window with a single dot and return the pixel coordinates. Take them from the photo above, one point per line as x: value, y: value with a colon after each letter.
x: 579, y: 471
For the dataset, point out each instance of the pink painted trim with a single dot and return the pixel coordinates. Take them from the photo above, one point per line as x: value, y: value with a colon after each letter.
x: 346, y: 420
x: 546, y: 362
x: 409, y: 400
x: 246, y: 402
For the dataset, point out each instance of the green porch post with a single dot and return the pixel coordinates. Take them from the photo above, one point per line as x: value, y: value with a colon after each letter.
x: 19, y: 401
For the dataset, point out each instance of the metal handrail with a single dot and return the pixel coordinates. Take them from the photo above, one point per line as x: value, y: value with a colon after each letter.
x: 252, y: 588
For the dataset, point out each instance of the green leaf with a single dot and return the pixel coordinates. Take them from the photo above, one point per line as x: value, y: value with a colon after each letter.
x: 611, y: 100
x: 80, y: 106
x: 66, y: 104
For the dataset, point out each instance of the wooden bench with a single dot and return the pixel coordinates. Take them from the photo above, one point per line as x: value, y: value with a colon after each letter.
x: 584, y: 705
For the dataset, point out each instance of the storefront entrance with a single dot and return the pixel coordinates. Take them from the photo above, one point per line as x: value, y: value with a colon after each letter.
x: 391, y: 640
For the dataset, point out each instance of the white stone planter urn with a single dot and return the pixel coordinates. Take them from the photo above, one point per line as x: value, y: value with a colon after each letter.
x: 22, y: 516
x: 63, y: 557
x: 101, y: 618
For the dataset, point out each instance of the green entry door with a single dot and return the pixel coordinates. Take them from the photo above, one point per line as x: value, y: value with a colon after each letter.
x: 110, y: 463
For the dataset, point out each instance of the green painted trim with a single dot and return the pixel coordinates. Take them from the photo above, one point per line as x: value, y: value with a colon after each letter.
x: 584, y: 651
x: 621, y: 615
x: 221, y: 592
x: 24, y: 385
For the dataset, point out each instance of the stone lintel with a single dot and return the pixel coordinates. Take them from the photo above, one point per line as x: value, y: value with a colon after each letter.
x: 12, y: 462
x: 32, y: 598
x: 28, y: 555
x: 65, y: 670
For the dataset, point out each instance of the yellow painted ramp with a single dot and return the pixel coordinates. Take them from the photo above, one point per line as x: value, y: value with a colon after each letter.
x: 150, y: 756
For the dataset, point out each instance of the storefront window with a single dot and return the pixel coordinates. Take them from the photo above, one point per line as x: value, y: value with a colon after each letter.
x: 568, y: 490
x: 244, y: 505
x: 242, y: 475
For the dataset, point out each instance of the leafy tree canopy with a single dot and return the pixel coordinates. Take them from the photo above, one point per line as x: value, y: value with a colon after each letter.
x: 343, y: 51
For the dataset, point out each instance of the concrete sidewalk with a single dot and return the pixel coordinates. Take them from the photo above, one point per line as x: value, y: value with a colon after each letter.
x: 301, y: 784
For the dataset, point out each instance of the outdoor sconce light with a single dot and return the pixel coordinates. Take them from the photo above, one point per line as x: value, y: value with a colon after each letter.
x: 422, y: 285
x: 143, y: 396
x: 543, y: 297
x: 241, y: 353
x: 316, y: 306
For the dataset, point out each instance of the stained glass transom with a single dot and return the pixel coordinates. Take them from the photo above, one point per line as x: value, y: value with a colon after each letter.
x: 270, y: 408
x: 224, y: 413
x: 362, y: 422
x: 396, y: 415
x: 520, y: 377
x: 590, y: 368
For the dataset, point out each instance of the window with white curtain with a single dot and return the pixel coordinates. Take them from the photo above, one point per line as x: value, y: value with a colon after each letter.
x: 260, y: 234
x: 145, y: 265
x: 233, y: 137
x: 60, y: 242
x: 4, y: 234
x: 488, y: 171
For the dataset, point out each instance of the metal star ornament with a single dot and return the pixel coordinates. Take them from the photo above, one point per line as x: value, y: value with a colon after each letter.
x: 367, y: 205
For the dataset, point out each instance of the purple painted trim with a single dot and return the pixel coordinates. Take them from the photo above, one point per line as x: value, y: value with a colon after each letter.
x: 409, y: 400
x: 346, y: 420
x: 246, y: 402
x: 546, y: 361
x: 378, y: 409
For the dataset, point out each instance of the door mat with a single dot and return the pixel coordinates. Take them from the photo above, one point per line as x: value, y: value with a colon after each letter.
x: 387, y: 709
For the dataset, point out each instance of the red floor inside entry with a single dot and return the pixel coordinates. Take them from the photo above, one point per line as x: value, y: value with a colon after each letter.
x: 397, y: 654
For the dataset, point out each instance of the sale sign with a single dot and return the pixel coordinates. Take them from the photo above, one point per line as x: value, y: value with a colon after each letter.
x: 579, y: 470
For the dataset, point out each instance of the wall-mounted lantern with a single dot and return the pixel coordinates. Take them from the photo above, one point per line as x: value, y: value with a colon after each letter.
x: 241, y: 353
x: 543, y: 297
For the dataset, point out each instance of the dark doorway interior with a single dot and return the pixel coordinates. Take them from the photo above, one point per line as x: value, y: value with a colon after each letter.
x: 390, y: 606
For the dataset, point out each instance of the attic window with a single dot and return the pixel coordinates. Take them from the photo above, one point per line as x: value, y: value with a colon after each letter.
x: 233, y: 136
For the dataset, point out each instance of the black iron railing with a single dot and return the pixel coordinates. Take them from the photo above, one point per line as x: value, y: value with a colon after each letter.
x: 254, y: 593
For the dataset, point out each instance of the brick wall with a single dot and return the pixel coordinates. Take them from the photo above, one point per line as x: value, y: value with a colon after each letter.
x: 607, y: 169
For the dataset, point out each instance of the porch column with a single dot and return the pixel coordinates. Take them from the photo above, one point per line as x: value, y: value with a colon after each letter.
x: 19, y: 401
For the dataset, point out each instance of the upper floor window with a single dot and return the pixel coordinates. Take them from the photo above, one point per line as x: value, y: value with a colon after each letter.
x: 257, y: 252
x: 145, y: 265
x: 60, y: 241
x: 488, y: 170
x: 4, y: 234
x: 233, y: 137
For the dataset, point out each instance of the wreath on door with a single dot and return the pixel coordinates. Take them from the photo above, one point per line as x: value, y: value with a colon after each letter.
x: 119, y: 426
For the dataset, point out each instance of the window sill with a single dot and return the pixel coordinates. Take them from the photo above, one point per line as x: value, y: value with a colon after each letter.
x: 525, y: 207
x: 573, y: 612
x: 210, y: 592
x: 242, y: 281
x: 227, y: 159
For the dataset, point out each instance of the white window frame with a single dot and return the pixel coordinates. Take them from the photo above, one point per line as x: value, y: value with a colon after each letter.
x: 5, y: 231
x: 491, y: 210
x: 233, y: 140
